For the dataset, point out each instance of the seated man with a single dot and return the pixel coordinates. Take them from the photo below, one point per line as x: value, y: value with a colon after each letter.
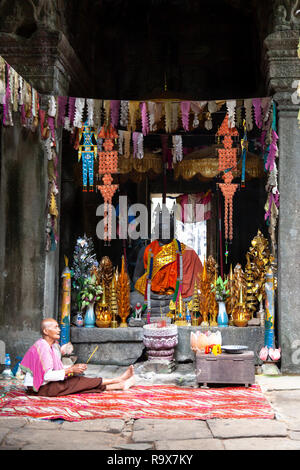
x: 46, y: 375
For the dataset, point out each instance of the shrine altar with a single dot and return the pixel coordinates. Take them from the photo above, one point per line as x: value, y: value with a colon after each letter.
x: 124, y: 346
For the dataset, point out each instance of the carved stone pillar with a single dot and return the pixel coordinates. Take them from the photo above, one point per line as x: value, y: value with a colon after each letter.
x: 283, y: 72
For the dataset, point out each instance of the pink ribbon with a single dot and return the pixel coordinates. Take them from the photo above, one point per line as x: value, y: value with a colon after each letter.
x: 145, y: 122
x: 52, y: 127
x: 272, y: 152
x: 185, y: 109
x: 183, y: 201
x: 257, y: 111
x: 114, y: 112
x: 273, y: 198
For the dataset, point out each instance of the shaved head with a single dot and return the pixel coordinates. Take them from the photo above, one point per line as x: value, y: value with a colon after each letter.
x: 45, y: 323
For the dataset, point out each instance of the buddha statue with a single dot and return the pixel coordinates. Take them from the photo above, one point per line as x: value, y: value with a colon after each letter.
x: 169, y: 258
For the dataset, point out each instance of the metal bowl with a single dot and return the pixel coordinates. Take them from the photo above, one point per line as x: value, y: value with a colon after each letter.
x: 234, y: 348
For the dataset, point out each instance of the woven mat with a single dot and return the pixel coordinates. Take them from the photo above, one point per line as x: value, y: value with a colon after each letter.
x: 156, y: 401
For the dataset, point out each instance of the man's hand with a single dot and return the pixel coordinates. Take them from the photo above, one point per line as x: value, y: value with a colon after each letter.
x: 76, y: 369
x: 79, y: 368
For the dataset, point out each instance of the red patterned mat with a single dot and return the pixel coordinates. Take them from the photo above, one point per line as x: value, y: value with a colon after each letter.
x: 156, y: 401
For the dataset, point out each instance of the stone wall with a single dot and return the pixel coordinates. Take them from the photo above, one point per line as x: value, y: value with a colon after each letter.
x: 283, y: 73
x: 29, y: 276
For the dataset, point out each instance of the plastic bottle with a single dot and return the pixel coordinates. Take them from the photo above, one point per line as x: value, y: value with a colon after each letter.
x: 7, y: 372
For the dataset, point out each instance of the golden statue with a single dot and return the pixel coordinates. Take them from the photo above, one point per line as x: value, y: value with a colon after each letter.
x: 172, y: 310
x: 238, y: 283
x: 259, y: 259
x: 114, y: 302
x: 213, y: 304
x: 205, y: 289
x: 194, y: 306
x: 106, y: 272
x: 103, y: 315
x: 123, y: 295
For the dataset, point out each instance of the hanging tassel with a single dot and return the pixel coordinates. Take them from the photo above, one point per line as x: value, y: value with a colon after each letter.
x: 248, y: 111
x: 244, y: 145
x: 62, y: 104
x: 124, y: 110
x: 90, y: 111
x: 145, y: 123
x: 185, y: 110
x: 231, y: 105
x: 114, y: 112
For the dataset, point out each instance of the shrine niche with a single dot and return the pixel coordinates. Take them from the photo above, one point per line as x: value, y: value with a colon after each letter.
x: 138, y: 171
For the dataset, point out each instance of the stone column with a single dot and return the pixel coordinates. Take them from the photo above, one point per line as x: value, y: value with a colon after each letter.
x: 283, y: 74
x: 29, y: 276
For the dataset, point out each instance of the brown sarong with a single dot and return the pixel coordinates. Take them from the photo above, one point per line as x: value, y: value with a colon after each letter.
x: 69, y: 386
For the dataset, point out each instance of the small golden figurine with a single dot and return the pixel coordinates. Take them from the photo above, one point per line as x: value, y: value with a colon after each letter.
x: 172, y: 310
x: 239, y: 282
x: 180, y: 313
x: 195, y: 306
x: 240, y: 312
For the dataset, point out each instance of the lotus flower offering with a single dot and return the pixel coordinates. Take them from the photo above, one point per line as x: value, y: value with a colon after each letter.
x: 200, y: 341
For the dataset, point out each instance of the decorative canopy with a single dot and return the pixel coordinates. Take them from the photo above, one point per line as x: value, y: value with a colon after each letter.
x: 202, y: 164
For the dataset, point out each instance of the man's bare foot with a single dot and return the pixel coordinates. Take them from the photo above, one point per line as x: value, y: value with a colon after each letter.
x: 129, y: 383
x: 127, y: 374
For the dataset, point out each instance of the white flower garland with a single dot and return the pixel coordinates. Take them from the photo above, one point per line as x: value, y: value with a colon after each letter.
x: 249, y: 115
x: 90, y: 106
x: 79, y: 107
x: 177, y: 148
x: 124, y: 112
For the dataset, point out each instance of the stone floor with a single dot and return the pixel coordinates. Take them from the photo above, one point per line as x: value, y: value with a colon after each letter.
x: 282, y: 433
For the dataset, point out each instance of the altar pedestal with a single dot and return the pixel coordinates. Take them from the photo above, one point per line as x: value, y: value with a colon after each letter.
x: 124, y: 346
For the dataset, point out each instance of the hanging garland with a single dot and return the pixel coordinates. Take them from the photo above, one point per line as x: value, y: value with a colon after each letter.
x: 108, y: 165
x: 67, y: 112
x: 87, y: 152
x: 227, y: 162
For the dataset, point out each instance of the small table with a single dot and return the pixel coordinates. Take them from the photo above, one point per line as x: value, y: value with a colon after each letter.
x: 225, y: 368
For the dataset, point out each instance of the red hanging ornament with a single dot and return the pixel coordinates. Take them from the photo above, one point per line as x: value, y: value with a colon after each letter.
x: 108, y: 165
x: 227, y: 164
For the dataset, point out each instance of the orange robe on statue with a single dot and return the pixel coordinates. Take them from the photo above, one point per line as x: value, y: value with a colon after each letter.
x: 164, y: 274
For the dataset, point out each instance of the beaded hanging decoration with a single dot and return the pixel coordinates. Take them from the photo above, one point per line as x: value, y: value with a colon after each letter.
x: 108, y: 165
x: 88, y: 152
x: 244, y: 146
x: 227, y: 163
